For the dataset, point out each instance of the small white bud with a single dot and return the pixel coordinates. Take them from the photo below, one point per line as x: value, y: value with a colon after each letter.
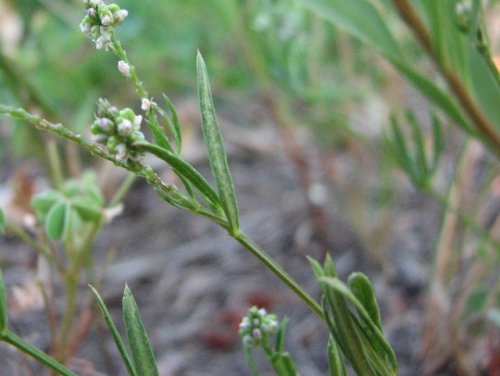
x: 262, y: 312
x: 85, y: 27
x: 137, y: 122
x: 91, y: 12
x: 257, y: 334
x: 106, y: 20
x: 120, y: 15
x: 121, y: 152
x: 124, y: 68
x: 124, y: 128
x: 100, y: 42
x: 145, y: 104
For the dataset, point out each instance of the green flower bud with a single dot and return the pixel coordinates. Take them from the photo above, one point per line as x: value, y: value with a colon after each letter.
x: 113, y: 141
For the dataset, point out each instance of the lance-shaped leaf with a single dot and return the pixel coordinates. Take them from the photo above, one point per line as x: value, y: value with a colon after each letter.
x: 182, y: 168
x: 362, y: 288
x: 3, y: 307
x: 215, y: 147
x: 114, y: 332
x: 142, y: 353
x: 362, y: 342
x: 336, y: 364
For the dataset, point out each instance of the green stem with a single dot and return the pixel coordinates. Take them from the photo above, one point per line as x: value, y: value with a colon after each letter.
x: 55, y: 163
x: 122, y: 55
x: 36, y: 354
x: 72, y: 288
x: 273, y: 266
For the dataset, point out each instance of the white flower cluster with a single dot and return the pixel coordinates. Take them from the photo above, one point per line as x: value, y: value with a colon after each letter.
x: 117, y: 130
x: 257, y: 326
x: 100, y: 21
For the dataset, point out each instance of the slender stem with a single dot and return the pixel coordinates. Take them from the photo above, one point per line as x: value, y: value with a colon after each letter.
x: 120, y: 52
x: 55, y: 163
x: 72, y: 287
x: 37, y: 354
x: 272, y: 265
x: 488, y: 131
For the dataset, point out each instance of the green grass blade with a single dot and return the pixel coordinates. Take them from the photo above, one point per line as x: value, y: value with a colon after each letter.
x: 142, y: 353
x: 114, y: 332
x: 215, y: 147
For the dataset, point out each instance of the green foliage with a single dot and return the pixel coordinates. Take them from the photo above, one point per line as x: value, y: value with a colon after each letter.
x: 64, y: 211
x: 463, y: 60
x: 142, y: 354
x: 356, y: 332
x: 215, y: 147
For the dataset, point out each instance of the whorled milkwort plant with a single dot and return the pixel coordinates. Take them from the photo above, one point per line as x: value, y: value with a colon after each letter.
x: 349, y: 310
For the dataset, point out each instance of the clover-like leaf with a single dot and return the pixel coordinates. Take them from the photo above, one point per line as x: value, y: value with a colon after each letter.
x: 57, y: 220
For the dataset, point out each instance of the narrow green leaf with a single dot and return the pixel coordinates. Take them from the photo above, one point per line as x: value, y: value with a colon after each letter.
x: 173, y: 124
x: 437, y: 142
x: 401, y: 150
x: 156, y: 129
x: 420, y: 160
x: 283, y: 364
x: 2, y: 221
x: 316, y: 267
x: 57, y: 220
x: 142, y: 353
x: 336, y: 364
x: 182, y: 168
x: 215, y: 147
x: 3, y: 307
x: 362, y: 289
x: 368, y: 329
x: 114, y: 332
x: 280, y: 336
